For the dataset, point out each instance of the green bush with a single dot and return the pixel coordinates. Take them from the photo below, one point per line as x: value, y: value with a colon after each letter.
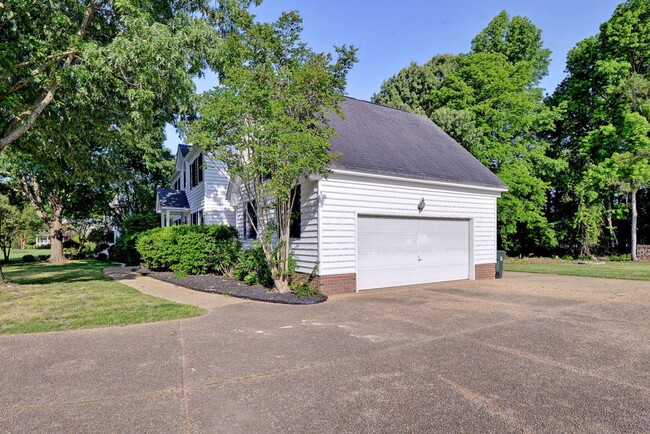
x: 252, y: 267
x: 124, y: 250
x: 29, y: 258
x: 620, y: 258
x: 43, y: 257
x: 190, y: 249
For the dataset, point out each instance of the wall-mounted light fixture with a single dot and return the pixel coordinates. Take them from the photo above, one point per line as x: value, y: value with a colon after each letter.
x: 421, y: 205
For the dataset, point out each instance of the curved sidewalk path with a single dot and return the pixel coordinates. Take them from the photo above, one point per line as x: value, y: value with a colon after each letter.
x: 169, y: 291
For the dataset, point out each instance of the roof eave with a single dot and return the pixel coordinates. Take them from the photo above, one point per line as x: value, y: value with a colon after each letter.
x: 483, y: 188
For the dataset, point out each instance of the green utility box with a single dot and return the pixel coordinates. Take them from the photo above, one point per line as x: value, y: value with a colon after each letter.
x: 501, y: 257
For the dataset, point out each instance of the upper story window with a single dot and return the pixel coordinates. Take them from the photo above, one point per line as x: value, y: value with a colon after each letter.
x: 184, y: 177
x: 196, y: 171
x: 296, y: 223
x: 177, y: 184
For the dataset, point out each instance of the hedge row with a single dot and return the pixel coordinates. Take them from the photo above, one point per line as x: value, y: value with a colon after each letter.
x: 190, y: 249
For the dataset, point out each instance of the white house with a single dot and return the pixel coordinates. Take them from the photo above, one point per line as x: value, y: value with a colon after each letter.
x: 404, y: 205
x: 199, y: 193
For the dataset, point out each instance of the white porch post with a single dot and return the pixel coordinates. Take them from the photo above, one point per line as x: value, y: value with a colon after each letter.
x: 168, y: 218
x: 162, y: 218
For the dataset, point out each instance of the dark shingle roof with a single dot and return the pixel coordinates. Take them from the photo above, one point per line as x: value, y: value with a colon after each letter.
x: 184, y: 149
x: 172, y: 198
x: 386, y: 141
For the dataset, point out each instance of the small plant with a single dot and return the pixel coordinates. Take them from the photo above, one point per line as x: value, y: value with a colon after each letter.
x: 252, y: 267
x: 304, y: 289
x: 102, y: 256
x: 29, y: 258
x: 620, y: 258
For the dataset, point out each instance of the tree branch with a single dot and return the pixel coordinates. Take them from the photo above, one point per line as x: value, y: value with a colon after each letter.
x: 16, y: 130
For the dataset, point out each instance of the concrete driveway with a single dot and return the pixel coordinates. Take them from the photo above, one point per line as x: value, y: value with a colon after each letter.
x: 529, y: 353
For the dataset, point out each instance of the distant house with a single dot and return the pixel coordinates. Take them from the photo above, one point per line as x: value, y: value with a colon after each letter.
x: 404, y: 205
x: 42, y: 239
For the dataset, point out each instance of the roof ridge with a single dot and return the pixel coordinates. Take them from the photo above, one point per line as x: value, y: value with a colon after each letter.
x: 387, y: 106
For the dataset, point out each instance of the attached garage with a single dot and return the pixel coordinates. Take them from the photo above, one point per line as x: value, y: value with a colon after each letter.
x: 398, y: 251
x: 403, y: 205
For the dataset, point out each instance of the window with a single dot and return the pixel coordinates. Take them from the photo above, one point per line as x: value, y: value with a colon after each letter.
x: 177, y: 184
x: 250, y: 221
x: 184, y: 176
x: 196, y: 171
x: 294, y: 228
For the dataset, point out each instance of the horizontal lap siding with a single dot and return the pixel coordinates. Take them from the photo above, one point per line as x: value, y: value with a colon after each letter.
x: 305, y: 249
x: 217, y: 209
x: 344, y: 196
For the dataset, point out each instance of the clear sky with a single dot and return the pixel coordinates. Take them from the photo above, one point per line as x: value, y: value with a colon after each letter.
x: 391, y: 34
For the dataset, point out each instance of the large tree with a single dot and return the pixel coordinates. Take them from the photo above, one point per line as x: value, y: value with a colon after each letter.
x: 606, y: 105
x: 136, y: 56
x: 267, y: 121
x: 488, y: 100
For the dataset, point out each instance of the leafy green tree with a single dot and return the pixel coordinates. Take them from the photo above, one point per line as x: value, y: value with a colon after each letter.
x: 518, y: 39
x: 134, y: 59
x: 606, y: 100
x: 29, y: 225
x: 9, y: 226
x: 267, y: 121
x: 488, y: 101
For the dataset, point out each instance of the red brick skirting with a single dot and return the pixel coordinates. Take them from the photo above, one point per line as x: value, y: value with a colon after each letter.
x: 335, y: 284
x: 484, y: 271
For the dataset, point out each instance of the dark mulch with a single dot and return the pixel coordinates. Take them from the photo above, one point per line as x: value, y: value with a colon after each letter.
x: 224, y: 285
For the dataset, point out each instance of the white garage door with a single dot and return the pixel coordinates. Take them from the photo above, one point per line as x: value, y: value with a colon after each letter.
x: 396, y: 251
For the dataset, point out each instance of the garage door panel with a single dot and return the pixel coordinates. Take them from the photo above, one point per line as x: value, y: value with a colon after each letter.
x: 394, y: 251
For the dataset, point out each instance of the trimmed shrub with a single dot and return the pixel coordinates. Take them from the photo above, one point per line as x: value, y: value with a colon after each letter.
x: 43, y: 257
x: 190, y: 249
x: 29, y: 258
x: 124, y: 250
x: 252, y: 267
x: 102, y: 256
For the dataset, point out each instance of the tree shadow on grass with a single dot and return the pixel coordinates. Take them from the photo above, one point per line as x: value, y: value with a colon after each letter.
x: 44, y: 274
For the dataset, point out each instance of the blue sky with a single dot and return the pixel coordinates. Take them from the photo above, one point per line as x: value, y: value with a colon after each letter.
x: 391, y: 34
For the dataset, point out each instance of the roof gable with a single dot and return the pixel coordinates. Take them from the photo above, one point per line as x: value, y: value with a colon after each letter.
x: 385, y: 141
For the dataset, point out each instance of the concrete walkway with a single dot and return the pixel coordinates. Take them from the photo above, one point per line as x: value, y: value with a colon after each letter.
x: 169, y: 291
x: 527, y: 353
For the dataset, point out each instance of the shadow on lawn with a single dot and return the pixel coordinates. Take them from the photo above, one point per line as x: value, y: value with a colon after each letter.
x: 44, y: 274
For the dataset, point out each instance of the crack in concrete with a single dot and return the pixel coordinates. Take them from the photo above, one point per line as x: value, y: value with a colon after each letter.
x: 186, y: 411
x: 556, y: 364
x: 507, y: 415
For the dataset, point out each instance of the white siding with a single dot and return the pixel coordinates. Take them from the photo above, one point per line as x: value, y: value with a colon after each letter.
x: 216, y: 208
x: 304, y: 249
x: 343, y: 197
x: 210, y: 194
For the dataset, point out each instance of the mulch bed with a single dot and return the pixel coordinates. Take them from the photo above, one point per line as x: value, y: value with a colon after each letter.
x: 226, y: 286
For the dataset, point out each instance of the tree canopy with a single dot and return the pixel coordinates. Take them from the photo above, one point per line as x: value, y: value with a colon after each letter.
x: 488, y: 101
x: 266, y: 120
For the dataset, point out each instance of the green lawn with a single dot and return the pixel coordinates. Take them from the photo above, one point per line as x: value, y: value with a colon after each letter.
x: 611, y: 270
x: 44, y: 297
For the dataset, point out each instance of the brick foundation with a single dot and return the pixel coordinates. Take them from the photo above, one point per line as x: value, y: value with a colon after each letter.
x: 484, y: 271
x: 335, y: 284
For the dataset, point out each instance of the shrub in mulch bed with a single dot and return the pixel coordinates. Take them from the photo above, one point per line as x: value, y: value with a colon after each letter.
x: 226, y: 286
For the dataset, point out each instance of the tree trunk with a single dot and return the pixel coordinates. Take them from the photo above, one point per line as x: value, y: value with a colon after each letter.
x: 56, y: 237
x: 634, y: 221
x: 613, y: 241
